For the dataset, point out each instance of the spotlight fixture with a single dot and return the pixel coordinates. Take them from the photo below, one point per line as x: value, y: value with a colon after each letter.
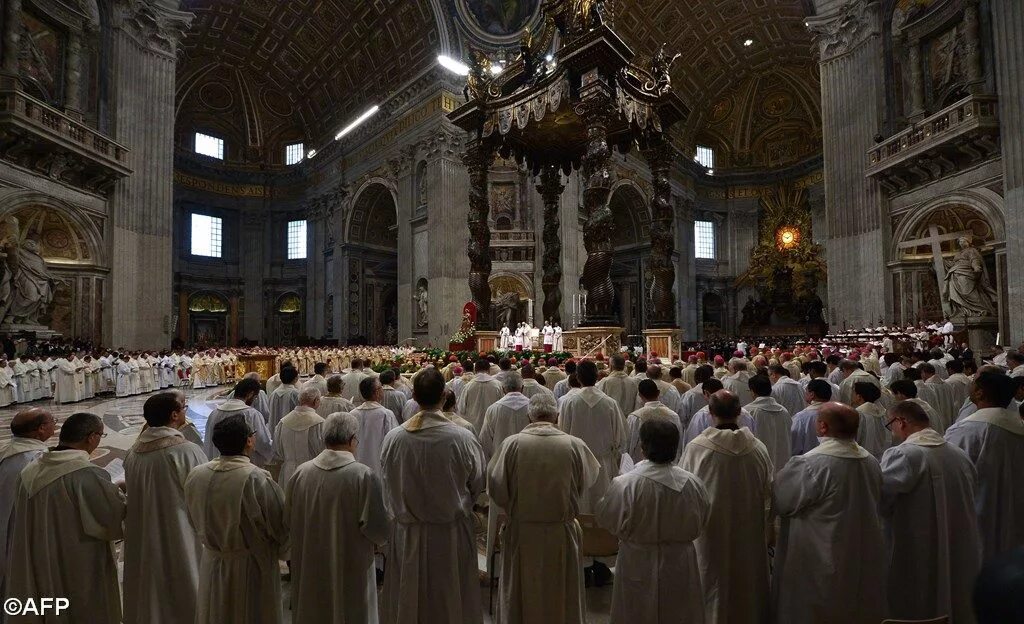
x: 549, y: 58
x: 311, y: 153
x: 352, y: 126
x: 747, y: 43
x: 452, y: 65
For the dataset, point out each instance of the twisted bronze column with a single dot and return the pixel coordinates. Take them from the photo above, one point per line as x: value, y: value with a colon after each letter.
x: 550, y: 189
x: 659, y: 265
x: 478, y: 159
x: 597, y: 232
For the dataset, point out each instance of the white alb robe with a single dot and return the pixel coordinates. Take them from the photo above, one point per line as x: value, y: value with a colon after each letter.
x: 375, y: 422
x: 17, y: 454
x: 282, y: 401
x: 336, y: 516
x: 772, y: 426
x: 539, y: 476
x: 934, y: 546
x: 66, y: 516
x: 622, y: 389
x: 830, y: 560
x: 479, y: 394
x: 237, y: 511
x: 871, y: 433
x: 994, y: 440
x: 654, y: 410
x: 737, y: 472
x: 264, y: 449
x: 656, y: 511
x: 159, y: 542
x: 432, y: 472
x: 595, y: 418
x: 737, y: 384
x: 702, y: 420
x: 331, y: 404
x: 299, y: 437
x: 789, y: 394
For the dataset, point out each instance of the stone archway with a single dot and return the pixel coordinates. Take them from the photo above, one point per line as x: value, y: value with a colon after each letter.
x: 370, y: 261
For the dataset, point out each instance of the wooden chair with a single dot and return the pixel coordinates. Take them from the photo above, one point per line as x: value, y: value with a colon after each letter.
x: 939, y: 620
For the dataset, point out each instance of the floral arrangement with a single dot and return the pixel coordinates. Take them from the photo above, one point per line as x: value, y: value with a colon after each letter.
x: 464, y: 334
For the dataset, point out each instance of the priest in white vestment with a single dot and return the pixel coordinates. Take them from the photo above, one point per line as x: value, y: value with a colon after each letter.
x: 620, y: 386
x: 656, y: 510
x: 237, y: 510
x: 285, y: 397
x: 336, y: 516
x: 392, y: 398
x: 803, y: 433
x: 553, y: 375
x: 246, y: 392
x: 851, y: 375
x: 993, y: 438
x: 123, y: 371
x: 7, y: 385
x: 351, y: 381
x: 702, y: 419
x: 30, y: 429
x: 479, y: 394
x: 299, y: 436
x: 433, y: 471
x: 595, y: 418
x: 22, y: 392
x: 830, y: 563
x: 652, y: 409
x: 334, y: 401
x: 317, y: 380
x: 693, y: 399
x: 67, y: 515
x: 733, y: 551
x: 159, y: 542
x: 736, y: 381
x: 539, y: 476
x: 872, y: 433
x: 946, y: 407
x: 928, y: 495
x: 907, y: 390
x: 772, y: 421
x: 532, y: 387
x: 375, y: 422
x: 67, y: 385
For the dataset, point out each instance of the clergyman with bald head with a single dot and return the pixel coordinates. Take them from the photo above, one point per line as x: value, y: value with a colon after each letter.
x: 828, y: 499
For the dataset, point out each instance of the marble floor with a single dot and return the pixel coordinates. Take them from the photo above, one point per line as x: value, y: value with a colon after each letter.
x: 123, y: 420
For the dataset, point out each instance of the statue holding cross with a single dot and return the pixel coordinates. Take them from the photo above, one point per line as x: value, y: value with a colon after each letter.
x: 963, y: 281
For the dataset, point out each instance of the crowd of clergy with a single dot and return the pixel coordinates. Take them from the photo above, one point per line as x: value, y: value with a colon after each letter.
x: 801, y: 487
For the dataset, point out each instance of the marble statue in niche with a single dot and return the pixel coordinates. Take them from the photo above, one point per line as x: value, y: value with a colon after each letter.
x: 421, y: 303
x: 26, y: 286
x: 966, y: 283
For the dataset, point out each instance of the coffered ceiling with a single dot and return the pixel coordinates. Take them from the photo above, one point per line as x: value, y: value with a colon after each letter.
x: 266, y: 71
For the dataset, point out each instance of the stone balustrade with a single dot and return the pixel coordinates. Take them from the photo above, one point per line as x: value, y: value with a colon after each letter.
x: 959, y: 135
x: 43, y: 138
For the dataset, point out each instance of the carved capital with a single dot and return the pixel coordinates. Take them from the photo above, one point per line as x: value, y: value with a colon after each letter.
x: 152, y: 25
x: 844, y: 30
x: 441, y: 143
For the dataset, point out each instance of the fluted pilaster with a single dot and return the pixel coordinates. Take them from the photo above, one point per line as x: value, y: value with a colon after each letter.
x: 1007, y: 26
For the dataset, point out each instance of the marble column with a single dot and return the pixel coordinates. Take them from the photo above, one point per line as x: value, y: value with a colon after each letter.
x: 12, y: 36
x: 852, y: 79
x: 572, y: 255
x: 550, y: 189
x: 402, y: 167
x: 144, y: 56
x: 662, y: 272
x: 686, y: 276
x: 478, y: 159
x: 448, y: 264
x: 595, y: 110
x: 1007, y: 26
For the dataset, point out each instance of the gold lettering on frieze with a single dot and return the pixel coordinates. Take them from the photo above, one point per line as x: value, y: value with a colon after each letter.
x: 444, y: 104
x: 221, y: 188
x: 754, y: 192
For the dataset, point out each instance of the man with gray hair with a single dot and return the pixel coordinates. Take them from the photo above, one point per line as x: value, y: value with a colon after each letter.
x: 737, y: 381
x: 245, y: 395
x: 299, y: 436
x: 540, y: 475
x: 507, y: 417
x: 67, y: 515
x: 334, y: 495
x: 333, y: 401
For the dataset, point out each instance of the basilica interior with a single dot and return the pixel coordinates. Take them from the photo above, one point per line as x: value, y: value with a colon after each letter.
x: 212, y: 172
